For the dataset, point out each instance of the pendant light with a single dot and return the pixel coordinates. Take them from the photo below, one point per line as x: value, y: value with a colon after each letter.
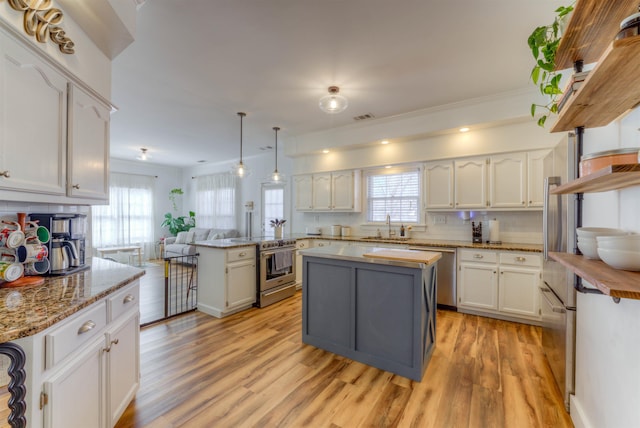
x: 240, y: 169
x: 333, y: 102
x: 276, y: 176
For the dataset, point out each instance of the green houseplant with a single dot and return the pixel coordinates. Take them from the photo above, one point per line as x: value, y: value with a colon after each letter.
x: 179, y: 224
x: 543, y: 42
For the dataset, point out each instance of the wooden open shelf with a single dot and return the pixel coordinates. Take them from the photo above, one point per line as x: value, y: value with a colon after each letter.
x: 593, y: 25
x: 609, y: 90
x: 610, y: 178
x: 612, y: 282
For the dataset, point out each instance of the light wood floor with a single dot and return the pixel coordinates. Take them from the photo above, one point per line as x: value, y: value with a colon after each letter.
x: 252, y: 370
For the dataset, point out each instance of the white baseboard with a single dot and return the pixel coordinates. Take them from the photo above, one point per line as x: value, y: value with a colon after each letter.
x: 578, y: 416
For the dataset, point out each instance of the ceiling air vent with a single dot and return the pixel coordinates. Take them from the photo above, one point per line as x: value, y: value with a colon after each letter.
x: 364, y: 116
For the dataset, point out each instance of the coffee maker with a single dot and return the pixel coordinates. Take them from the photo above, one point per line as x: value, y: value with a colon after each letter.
x: 67, y: 251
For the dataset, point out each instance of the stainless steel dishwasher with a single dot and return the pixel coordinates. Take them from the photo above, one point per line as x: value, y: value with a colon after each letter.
x: 445, y: 277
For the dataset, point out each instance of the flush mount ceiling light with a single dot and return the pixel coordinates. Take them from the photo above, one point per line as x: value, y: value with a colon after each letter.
x: 464, y: 129
x: 333, y: 102
x: 240, y: 169
x: 143, y: 156
x: 276, y: 177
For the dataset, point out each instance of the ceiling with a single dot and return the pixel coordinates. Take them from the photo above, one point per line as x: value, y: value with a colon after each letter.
x: 195, y: 64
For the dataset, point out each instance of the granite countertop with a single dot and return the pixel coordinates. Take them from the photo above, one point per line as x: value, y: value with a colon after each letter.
x: 357, y: 253
x: 229, y: 243
x: 505, y: 246
x: 25, y: 311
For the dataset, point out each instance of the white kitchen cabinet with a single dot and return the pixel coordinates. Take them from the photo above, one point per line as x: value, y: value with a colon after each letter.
x: 471, y: 183
x: 439, y: 185
x: 33, y: 122
x: 85, y: 370
x: 88, y: 145
x: 478, y: 279
x: 508, y: 180
x: 228, y: 280
x: 301, y: 244
x: 499, y: 284
x: 303, y: 188
x: 520, y: 276
x: 537, y: 170
x: 336, y: 191
x: 322, y: 192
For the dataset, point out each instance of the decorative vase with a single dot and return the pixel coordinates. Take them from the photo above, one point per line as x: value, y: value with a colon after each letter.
x: 277, y: 232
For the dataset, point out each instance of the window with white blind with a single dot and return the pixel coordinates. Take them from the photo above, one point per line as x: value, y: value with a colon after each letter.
x: 393, y: 192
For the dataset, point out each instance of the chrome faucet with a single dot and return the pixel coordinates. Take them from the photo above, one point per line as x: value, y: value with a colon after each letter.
x: 389, y: 227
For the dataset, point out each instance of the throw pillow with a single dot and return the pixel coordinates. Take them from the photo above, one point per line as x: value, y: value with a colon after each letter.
x: 181, y: 238
x: 190, y: 237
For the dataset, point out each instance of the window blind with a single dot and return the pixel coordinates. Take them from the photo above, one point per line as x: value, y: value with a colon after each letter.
x: 396, y: 194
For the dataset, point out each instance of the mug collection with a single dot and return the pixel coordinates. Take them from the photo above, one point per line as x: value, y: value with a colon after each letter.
x: 22, y: 248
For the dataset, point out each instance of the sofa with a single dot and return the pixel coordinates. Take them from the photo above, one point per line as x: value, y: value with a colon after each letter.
x: 182, y: 244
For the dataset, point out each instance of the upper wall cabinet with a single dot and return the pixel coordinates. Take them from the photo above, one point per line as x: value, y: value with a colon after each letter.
x: 336, y: 191
x: 33, y: 122
x: 507, y: 178
x: 539, y: 166
x: 470, y: 183
x: 88, y: 146
x: 438, y: 183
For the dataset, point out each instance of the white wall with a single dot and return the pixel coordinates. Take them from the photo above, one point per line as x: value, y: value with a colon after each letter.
x: 608, y: 337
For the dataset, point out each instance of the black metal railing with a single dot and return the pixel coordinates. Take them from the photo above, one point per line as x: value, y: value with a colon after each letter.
x: 180, y: 284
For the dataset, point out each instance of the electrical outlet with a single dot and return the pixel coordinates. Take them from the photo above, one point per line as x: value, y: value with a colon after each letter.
x: 439, y: 219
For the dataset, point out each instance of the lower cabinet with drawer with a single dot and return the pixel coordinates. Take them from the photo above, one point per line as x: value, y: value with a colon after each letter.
x: 500, y: 284
x: 227, y: 280
x: 85, y: 370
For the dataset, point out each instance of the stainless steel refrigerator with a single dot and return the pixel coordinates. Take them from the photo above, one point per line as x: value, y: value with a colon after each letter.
x: 558, y: 296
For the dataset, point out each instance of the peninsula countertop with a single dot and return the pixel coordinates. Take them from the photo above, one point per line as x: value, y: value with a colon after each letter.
x: 25, y: 311
x: 358, y: 254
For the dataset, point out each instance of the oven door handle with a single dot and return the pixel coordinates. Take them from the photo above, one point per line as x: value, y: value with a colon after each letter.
x: 271, y: 253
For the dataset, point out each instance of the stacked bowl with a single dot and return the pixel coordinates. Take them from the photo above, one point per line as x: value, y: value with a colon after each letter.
x: 620, y: 252
x: 587, y: 242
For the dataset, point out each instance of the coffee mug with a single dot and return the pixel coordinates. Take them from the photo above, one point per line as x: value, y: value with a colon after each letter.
x: 37, y: 268
x: 10, y: 234
x: 40, y: 232
x: 32, y: 252
x: 10, y: 271
x: 9, y: 255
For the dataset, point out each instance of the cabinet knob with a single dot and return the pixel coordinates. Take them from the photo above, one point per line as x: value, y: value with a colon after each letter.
x: 128, y: 298
x: 450, y: 204
x: 530, y: 202
x: 522, y: 202
x: 521, y: 259
x: 108, y: 348
x: 242, y: 254
x: 478, y: 256
x: 87, y: 326
x: 76, y: 186
x: 5, y: 174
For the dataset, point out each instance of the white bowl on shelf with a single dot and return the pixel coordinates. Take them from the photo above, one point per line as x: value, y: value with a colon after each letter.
x: 589, y: 248
x: 624, y: 243
x: 593, y: 232
x: 618, y: 259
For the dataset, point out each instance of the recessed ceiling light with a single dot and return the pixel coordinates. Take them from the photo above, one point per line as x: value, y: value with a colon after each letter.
x: 388, y: 166
x: 464, y: 129
x: 325, y: 151
x: 384, y: 142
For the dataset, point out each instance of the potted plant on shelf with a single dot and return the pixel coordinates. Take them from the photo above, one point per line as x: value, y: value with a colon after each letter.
x: 543, y: 42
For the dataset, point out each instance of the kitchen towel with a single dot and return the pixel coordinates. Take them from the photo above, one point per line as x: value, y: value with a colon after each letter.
x: 283, y: 260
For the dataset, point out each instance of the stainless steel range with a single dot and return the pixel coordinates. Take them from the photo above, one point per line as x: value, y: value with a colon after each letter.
x: 277, y: 273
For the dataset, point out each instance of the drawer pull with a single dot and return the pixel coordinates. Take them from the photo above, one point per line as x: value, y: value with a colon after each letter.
x: 5, y: 174
x: 242, y: 254
x: 76, y: 186
x: 87, y: 326
x: 521, y: 259
x: 478, y: 256
x: 128, y: 298
x: 108, y: 348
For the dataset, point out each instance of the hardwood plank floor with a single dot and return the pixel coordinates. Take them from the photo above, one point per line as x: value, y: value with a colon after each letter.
x: 252, y: 370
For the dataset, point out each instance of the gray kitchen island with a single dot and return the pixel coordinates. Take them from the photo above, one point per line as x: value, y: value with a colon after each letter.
x: 373, y: 305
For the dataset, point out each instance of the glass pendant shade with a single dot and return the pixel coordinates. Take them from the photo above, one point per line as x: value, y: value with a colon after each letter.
x: 276, y: 176
x: 333, y: 102
x: 240, y: 169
